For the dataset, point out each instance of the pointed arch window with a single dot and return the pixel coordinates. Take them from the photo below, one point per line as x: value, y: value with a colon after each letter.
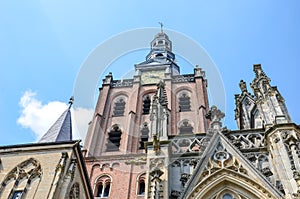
x: 103, y: 186
x: 22, y: 179
x: 141, y: 186
x: 184, y: 102
x: 186, y: 127
x: 114, y: 139
x: 144, y: 135
x: 146, y: 105
x: 119, y: 107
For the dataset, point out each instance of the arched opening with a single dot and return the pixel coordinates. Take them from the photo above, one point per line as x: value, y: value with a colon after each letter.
x: 141, y: 185
x: 185, y: 127
x: 144, y: 135
x: 184, y: 102
x: 114, y: 139
x: 228, y: 184
x: 119, y: 107
x: 146, y: 105
x: 103, y: 186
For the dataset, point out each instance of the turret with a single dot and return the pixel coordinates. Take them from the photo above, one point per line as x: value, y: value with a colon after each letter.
x: 265, y: 107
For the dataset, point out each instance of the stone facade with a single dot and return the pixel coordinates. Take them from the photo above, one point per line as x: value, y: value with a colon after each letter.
x: 43, y: 170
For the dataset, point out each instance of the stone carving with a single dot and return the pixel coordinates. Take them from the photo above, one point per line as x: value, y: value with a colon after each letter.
x: 157, y: 163
x: 184, y: 162
x: 243, y: 86
x: 189, y: 145
x: 222, y: 159
x: 175, y: 194
x: 156, y: 189
x: 215, y: 116
x: 184, y: 178
x: 248, y: 140
x: 122, y: 83
x: 137, y: 161
x: 199, y: 72
x: 62, y: 162
x: 267, y: 172
x: 71, y: 169
x: 27, y: 170
x: 74, y: 192
x: 183, y: 78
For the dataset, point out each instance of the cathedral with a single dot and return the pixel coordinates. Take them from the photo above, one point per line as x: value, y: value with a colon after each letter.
x: 156, y: 136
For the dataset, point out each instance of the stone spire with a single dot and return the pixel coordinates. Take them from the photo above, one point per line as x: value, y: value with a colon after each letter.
x: 265, y: 107
x: 61, y: 130
x: 159, y: 114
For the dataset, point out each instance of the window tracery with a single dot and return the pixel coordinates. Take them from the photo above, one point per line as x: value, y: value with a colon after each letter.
x: 103, y: 186
x: 114, y: 139
x: 184, y: 102
x: 18, y: 181
x: 119, y: 107
x: 146, y: 105
x: 185, y: 127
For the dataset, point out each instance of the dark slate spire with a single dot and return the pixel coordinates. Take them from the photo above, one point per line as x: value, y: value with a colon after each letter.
x: 61, y: 130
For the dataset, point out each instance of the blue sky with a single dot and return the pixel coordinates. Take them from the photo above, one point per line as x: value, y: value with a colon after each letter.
x: 43, y: 44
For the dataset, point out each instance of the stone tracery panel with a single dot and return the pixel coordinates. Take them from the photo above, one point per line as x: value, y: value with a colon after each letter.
x: 22, y: 177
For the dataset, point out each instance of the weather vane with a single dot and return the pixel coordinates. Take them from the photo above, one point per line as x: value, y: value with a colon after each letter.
x: 161, y: 26
x: 71, y: 101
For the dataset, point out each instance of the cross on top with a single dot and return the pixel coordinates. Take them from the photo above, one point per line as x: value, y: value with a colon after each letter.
x: 161, y: 26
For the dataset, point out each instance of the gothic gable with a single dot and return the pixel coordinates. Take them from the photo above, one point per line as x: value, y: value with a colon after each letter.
x: 224, y: 167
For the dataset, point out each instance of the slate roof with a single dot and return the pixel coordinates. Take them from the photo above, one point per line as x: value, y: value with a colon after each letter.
x: 61, y: 130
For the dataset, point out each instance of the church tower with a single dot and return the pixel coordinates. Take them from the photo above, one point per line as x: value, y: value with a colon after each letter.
x: 128, y: 141
x: 155, y: 136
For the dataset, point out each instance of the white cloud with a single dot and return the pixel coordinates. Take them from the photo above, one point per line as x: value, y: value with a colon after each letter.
x: 40, y: 117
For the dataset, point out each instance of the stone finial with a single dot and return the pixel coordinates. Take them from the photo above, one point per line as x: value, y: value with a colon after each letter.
x: 108, y: 78
x: 243, y: 86
x: 258, y: 70
x: 216, y: 116
x: 199, y: 72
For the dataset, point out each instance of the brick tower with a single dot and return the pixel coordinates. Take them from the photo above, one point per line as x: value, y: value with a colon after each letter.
x: 154, y: 136
x: 134, y: 119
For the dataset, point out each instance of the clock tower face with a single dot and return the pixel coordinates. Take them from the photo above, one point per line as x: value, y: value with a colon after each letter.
x: 152, y: 76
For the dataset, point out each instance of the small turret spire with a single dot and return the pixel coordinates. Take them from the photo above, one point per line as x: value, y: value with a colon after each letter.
x: 61, y: 130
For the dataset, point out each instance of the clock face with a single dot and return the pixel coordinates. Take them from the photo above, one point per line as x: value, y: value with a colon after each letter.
x: 152, y: 76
